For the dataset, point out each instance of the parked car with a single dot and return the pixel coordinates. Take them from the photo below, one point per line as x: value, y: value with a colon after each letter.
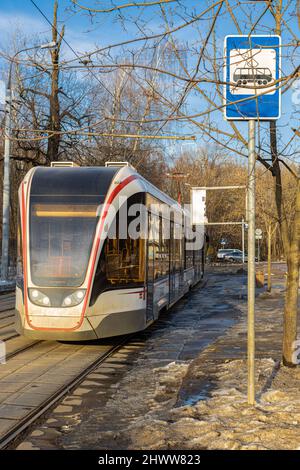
x: 223, y: 251
x: 235, y: 256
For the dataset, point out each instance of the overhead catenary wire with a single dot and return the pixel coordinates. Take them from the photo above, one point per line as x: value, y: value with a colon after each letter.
x: 62, y: 38
x: 182, y: 117
x: 99, y: 134
x: 69, y: 46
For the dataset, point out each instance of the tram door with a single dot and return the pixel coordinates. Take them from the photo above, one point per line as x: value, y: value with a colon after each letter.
x: 172, y: 264
x: 150, y: 272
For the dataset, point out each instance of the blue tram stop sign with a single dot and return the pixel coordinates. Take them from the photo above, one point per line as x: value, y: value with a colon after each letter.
x: 252, y: 71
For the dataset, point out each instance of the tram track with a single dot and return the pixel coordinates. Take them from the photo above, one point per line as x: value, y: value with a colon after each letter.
x: 113, y: 365
x: 5, y: 325
x: 7, y: 306
x: 6, y: 309
x: 7, y: 302
x: 8, y: 338
x: 22, y: 349
x: 14, y: 427
x: 10, y: 334
x: 19, y: 427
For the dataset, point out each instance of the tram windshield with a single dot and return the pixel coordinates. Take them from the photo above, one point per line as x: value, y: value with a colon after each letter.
x: 61, y: 240
x: 63, y: 219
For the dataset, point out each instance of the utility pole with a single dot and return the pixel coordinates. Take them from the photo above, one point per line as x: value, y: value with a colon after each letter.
x: 269, y: 258
x: 251, y: 261
x: 6, y: 183
x: 243, y: 239
x: 270, y: 234
x: 178, y: 176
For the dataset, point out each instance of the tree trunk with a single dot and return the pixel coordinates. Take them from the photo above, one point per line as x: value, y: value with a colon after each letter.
x: 291, y: 250
x: 276, y: 172
x: 54, y: 118
x: 54, y: 140
x: 291, y: 296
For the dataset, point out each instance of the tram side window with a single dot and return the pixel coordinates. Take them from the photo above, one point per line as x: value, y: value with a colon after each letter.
x: 189, y: 256
x: 197, y: 260
x: 124, y: 258
x: 19, y: 278
x: 154, y: 244
x: 165, y: 246
x: 178, y: 252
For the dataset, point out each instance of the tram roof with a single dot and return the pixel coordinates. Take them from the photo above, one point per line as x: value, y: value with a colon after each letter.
x: 89, y: 180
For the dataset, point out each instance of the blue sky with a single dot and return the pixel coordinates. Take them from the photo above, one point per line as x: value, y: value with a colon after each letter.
x: 84, y: 36
x: 21, y: 14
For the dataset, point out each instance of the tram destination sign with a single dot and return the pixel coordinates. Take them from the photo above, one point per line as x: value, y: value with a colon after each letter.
x: 251, y: 75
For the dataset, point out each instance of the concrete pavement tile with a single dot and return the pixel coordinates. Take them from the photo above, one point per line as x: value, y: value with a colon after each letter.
x: 14, y: 412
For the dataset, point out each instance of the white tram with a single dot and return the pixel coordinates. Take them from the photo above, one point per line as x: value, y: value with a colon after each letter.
x: 78, y: 279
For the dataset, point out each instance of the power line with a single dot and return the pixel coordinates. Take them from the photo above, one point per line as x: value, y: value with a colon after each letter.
x: 88, y: 68
x: 71, y: 48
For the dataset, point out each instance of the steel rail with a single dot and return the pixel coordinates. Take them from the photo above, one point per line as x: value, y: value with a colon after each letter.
x: 22, y: 349
x: 11, y: 435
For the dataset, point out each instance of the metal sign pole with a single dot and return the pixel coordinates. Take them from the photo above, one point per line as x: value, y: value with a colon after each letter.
x: 243, y: 240
x: 244, y: 102
x: 251, y: 262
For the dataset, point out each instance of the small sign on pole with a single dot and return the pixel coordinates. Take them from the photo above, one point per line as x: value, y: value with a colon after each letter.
x: 258, y: 234
x: 198, y: 198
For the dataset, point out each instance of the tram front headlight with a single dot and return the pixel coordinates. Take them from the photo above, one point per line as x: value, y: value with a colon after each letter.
x: 74, y: 299
x: 38, y: 298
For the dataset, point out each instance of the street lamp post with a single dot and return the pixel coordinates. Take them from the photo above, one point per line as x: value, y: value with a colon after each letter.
x: 6, y: 162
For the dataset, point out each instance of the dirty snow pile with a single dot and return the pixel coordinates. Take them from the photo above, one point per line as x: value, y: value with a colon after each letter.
x: 223, y: 420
